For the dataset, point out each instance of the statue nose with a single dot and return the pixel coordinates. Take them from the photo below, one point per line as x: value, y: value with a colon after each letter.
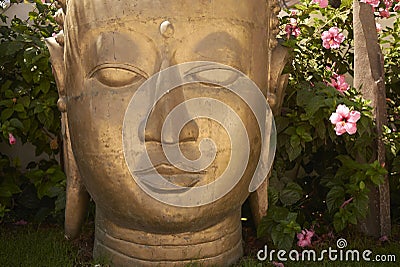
x: 157, y: 120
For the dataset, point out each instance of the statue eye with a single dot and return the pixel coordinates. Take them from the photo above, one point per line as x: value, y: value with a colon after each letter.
x: 214, y: 76
x: 117, y: 76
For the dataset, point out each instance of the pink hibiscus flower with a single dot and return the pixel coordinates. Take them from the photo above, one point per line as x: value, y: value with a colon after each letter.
x: 292, y: 28
x: 345, y: 120
x: 322, y: 3
x: 305, y: 238
x: 339, y: 82
x: 21, y: 222
x: 384, y: 13
x: 373, y: 3
x: 278, y: 264
x: 388, y: 3
x: 11, y: 139
x: 332, y: 38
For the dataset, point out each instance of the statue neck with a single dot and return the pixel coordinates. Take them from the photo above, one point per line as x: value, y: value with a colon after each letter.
x: 218, y: 245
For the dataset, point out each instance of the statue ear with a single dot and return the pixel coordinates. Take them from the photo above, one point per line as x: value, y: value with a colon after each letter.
x: 258, y: 187
x: 57, y: 62
x: 277, y: 81
x: 276, y: 91
x: 76, y: 194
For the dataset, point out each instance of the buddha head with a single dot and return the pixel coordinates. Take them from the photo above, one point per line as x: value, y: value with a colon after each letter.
x: 168, y: 121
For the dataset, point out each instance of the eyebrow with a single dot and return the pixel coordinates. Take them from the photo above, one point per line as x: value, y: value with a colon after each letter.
x: 223, y: 39
x: 119, y: 47
x: 220, y: 41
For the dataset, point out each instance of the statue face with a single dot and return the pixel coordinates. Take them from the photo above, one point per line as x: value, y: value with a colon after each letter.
x: 112, y: 48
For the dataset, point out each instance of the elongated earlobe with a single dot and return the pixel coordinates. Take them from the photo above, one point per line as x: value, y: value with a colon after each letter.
x: 77, y: 198
x: 277, y: 80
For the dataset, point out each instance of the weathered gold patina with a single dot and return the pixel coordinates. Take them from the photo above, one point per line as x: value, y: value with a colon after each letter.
x: 108, y: 49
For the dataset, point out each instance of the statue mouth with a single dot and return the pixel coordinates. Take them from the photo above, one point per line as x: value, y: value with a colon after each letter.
x: 164, y: 177
x: 166, y: 169
x: 171, y: 174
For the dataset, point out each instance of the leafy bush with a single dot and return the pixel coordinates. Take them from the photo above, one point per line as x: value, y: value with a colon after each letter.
x: 391, y: 48
x: 321, y: 179
x: 28, y: 113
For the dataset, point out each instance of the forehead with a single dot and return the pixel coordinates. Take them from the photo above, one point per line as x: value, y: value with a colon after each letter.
x: 87, y: 12
x: 204, y: 29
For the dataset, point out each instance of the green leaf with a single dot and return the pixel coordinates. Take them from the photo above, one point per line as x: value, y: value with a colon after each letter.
x: 362, y: 185
x: 43, y: 189
x: 55, y: 191
x: 280, y: 239
x: 13, y: 47
x: 352, y: 219
x: 273, y: 196
x: 314, y: 104
x: 19, y: 108
x: 6, y: 103
x: 335, y: 198
x: 304, y: 135
x: 42, y: 117
x: 278, y: 213
x: 293, y: 152
x: 27, y: 75
x: 35, y: 175
x: 377, y: 179
x: 36, y: 75
x: 361, y: 203
x: 60, y: 201
x: 6, y: 85
x: 281, y: 123
x: 38, y: 108
x: 44, y: 86
x: 25, y: 101
x: 27, y: 124
x: 295, y: 141
x: 338, y: 222
x: 8, y: 189
x: 7, y: 113
x: 291, y: 194
x: 9, y: 94
x: 16, y: 123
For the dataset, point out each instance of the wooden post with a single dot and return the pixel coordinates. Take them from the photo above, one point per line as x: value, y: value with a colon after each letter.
x: 369, y: 75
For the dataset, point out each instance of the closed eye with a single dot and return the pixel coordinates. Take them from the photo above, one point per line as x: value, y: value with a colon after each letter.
x: 117, y: 75
x: 213, y: 76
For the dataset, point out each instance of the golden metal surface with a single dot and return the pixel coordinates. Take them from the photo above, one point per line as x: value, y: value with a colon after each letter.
x: 110, y: 49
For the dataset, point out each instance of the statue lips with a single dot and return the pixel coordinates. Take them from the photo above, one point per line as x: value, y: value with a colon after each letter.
x: 161, y: 165
x: 184, y: 180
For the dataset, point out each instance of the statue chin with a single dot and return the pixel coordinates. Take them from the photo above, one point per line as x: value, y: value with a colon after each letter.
x: 155, y: 216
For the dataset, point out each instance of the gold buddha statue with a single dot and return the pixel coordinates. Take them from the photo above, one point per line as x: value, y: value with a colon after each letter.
x: 166, y: 123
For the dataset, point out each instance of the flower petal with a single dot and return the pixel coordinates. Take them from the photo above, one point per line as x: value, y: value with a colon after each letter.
x: 340, y: 128
x: 343, y: 111
x: 335, y: 118
x: 323, y: 3
x: 354, y: 116
x: 334, y: 31
x: 351, y: 128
